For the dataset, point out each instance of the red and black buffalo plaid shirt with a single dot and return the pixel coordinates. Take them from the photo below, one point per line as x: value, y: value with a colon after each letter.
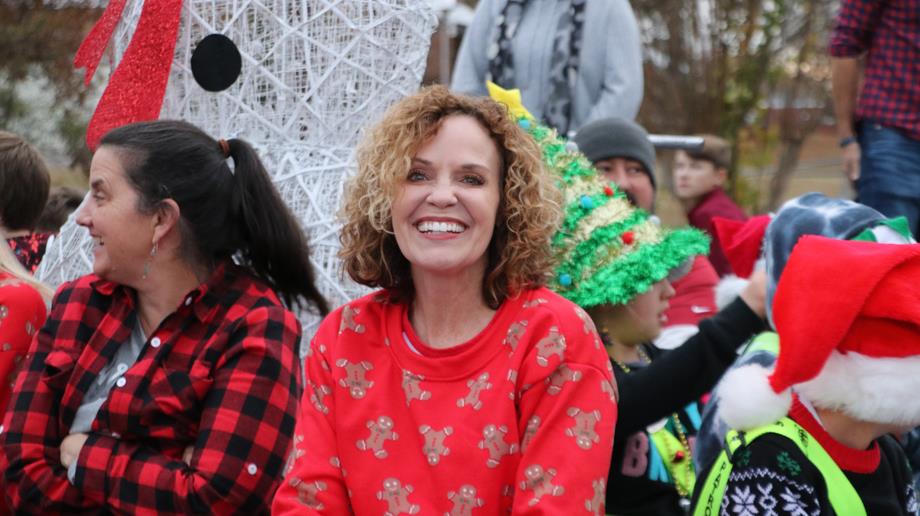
x: 220, y: 373
x: 890, y: 32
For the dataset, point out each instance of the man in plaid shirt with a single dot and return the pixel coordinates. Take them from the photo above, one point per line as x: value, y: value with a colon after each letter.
x: 880, y: 133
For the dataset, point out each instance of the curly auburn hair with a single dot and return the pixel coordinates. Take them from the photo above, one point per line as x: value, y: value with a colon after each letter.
x: 519, y: 255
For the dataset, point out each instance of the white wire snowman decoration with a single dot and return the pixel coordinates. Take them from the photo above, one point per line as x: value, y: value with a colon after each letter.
x: 299, y: 79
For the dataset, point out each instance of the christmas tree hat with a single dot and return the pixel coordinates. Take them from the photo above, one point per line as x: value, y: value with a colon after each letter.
x: 607, y: 251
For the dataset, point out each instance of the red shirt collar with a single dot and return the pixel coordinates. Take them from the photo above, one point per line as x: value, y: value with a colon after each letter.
x: 706, y: 199
x: 201, y: 304
x: 849, y: 459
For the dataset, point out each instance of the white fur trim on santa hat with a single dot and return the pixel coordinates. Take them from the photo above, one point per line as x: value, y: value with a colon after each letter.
x: 728, y: 288
x: 746, y: 399
x: 878, y: 390
x: 674, y: 336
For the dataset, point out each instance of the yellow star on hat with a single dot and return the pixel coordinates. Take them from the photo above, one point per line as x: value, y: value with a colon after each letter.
x: 510, y: 98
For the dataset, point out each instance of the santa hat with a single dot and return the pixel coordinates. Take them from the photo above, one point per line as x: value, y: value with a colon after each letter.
x: 741, y: 241
x: 809, y: 214
x: 848, y: 318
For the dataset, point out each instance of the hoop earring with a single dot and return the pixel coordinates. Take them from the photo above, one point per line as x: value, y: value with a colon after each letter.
x: 153, y: 252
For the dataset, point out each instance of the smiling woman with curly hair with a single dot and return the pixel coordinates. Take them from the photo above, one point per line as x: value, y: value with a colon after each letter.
x: 463, y: 383
x: 528, y: 215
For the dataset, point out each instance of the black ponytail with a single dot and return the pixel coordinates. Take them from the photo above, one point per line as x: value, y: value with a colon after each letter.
x: 225, y: 213
x: 276, y: 247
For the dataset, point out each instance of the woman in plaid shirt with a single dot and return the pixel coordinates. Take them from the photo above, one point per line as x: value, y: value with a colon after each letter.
x: 167, y: 380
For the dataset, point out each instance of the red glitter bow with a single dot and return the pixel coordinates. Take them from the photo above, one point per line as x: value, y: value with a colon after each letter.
x: 136, y: 89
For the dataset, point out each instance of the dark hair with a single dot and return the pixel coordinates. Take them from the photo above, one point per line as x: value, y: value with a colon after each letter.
x: 24, y: 183
x: 224, y: 212
x: 715, y: 150
x: 62, y: 201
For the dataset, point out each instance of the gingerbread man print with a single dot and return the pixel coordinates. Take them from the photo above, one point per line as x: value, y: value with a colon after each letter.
x: 476, y: 386
x: 595, y: 505
x: 381, y: 431
x: 464, y: 500
x: 318, y: 395
x: 295, y: 454
x: 493, y: 440
x: 540, y: 481
x: 323, y: 363
x: 434, y: 447
x: 307, y: 492
x: 349, y: 322
x: 354, y: 379
x: 534, y: 302
x: 533, y: 424
x: 583, y: 428
x: 512, y: 377
x: 397, y: 498
x: 552, y: 344
x: 560, y: 376
x: 515, y: 332
x: 588, y: 326
x: 609, y: 387
x: 411, y: 384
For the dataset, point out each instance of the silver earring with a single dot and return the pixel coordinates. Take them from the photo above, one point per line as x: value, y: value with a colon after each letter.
x: 153, y: 252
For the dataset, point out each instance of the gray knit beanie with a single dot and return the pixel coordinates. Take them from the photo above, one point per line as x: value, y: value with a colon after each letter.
x: 617, y: 138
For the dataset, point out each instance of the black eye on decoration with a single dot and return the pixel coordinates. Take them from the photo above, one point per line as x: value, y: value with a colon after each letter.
x: 216, y: 63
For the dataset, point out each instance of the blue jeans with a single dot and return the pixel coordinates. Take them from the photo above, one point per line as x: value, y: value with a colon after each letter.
x: 889, y: 173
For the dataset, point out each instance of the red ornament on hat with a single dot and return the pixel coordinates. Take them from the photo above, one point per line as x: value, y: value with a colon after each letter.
x: 627, y: 237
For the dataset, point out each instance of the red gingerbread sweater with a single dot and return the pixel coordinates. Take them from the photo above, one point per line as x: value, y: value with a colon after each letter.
x: 22, y: 313
x: 519, y: 418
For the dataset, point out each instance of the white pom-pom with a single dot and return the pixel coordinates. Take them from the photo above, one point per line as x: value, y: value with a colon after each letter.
x: 747, y: 401
x: 728, y: 288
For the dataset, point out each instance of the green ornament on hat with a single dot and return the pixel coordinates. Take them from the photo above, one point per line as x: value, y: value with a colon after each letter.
x: 607, y: 250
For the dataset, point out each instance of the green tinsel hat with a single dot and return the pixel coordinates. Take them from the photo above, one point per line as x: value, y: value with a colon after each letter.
x: 607, y: 251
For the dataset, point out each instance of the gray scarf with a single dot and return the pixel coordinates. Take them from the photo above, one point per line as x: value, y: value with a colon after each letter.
x: 564, y: 69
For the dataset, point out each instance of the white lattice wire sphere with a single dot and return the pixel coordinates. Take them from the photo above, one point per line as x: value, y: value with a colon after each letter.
x: 315, y: 74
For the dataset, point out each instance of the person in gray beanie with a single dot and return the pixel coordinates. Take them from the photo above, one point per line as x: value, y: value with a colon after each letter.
x: 621, y: 150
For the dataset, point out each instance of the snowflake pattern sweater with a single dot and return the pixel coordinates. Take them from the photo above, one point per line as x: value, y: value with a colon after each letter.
x: 772, y: 476
x: 520, y: 418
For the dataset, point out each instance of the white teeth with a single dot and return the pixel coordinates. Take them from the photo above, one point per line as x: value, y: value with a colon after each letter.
x: 440, y: 227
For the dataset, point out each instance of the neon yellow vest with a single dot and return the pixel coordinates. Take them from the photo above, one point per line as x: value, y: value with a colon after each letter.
x: 843, y: 497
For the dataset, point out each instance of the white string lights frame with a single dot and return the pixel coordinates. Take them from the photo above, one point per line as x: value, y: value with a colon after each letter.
x: 314, y: 75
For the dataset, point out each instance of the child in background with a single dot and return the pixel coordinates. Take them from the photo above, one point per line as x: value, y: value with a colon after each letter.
x: 62, y: 201
x: 811, y: 433
x: 616, y: 262
x: 24, y: 185
x: 699, y: 178
x: 810, y: 214
x: 23, y: 303
x: 623, y: 154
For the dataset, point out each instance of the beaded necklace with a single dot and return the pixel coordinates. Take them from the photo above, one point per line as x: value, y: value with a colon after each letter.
x: 677, y: 457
